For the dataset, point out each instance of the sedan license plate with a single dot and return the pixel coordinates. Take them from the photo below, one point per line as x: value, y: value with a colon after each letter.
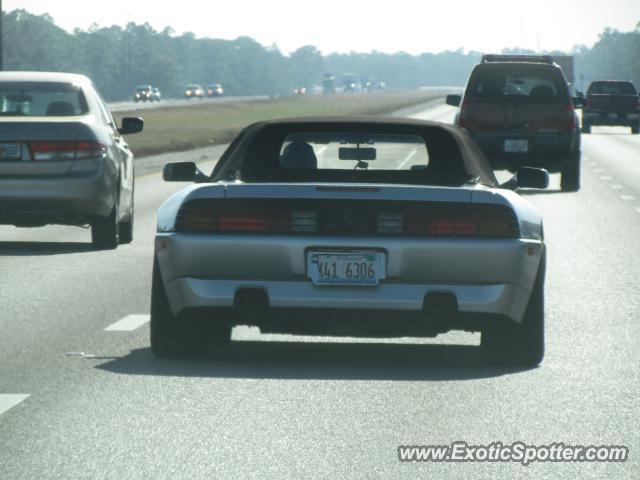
x: 10, y: 151
x: 345, y: 268
x: 613, y: 115
x: 516, y: 146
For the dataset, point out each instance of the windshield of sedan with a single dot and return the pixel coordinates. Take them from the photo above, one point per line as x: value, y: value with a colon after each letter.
x: 348, y: 151
x: 36, y: 99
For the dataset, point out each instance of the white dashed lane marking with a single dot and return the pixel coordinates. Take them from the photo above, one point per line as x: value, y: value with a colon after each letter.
x: 628, y: 198
x: 8, y: 401
x: 616, y: 186
x: 128, y: 323
x: 606, y: 177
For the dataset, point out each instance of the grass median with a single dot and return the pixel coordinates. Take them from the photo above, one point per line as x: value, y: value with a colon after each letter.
x: 174, y: 129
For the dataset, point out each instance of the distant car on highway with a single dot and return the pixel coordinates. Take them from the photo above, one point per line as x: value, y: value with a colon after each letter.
x: 143, y: 93
x: 194, y: 91
x: 215, y: 90
x: 358, y: 227
x: 519, y: 110
x: 63, y: 160
x: 156, y: 96
x: 611, y: 102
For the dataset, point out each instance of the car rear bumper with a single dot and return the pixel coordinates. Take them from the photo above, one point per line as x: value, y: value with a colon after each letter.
x: 400, y: 298
x: 73, y: 197
x: 611, y: 118
x: 490, y: 276
x: 547, y: 150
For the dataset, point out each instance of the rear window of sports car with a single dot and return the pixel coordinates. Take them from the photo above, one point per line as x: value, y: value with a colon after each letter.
x: 52, y: 99
x: 353, y: 151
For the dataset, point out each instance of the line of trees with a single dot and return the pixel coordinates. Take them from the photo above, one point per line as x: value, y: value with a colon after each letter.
x: 118, y: 59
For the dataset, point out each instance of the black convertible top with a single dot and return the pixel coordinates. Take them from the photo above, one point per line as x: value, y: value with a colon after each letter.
x: 454, y: 158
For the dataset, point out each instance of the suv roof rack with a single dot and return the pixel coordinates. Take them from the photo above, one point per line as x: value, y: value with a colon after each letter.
x: 517, y: 58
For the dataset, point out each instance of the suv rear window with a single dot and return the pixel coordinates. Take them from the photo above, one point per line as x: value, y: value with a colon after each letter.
x: 517, y: 84
x: 33, y: 99
x: 612, y: 88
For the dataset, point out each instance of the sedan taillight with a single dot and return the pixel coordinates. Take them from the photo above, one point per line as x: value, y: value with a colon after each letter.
x: 66, y: 150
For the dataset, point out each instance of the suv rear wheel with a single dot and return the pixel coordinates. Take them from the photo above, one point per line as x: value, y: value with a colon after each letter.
x: 570, y: 176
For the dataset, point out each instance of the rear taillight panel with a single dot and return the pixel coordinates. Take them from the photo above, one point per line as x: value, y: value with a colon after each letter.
x: 42, y: 151
x: 333, y: 218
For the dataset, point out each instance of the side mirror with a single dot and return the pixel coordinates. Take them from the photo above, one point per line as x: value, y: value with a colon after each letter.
x: 529, y: 177
x: 131, y: 125
x: 579, y: 102
x: 454, y: 100
x: 179, y: 172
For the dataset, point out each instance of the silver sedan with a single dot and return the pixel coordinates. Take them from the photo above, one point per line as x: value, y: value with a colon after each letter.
x: 358, y: 227
x: 63, y: 160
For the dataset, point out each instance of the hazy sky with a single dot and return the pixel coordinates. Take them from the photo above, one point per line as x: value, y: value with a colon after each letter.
x: 342, y: 25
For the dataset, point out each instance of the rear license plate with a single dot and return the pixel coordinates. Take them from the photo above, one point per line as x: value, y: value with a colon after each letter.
x: 516, y: 146
x: 345, y: 268
x: 9, y: 150
x: 613, y: 115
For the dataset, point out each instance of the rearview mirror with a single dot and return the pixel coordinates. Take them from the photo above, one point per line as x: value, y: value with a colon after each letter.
x: 454, y: 100
x: 350, y: 153
x: 131, y: 125
x: 179, y: 172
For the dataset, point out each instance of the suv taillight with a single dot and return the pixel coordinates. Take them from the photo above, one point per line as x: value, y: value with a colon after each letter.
x: 462, y: 116
x: 571, y: 117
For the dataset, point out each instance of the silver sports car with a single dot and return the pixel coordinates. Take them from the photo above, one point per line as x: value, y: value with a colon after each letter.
x: 350, y: 226
x: 63, y: 160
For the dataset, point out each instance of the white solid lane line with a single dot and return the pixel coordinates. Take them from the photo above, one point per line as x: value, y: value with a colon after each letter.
x: 128, y: 323
x: 10, y: 400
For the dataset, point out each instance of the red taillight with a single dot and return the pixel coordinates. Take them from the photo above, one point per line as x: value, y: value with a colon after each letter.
x: 440, y: 226
x: 462, y: 115
x: 65, y: 150
x: 461, y: 227
x: 260, y: 222
x: 571, y: 117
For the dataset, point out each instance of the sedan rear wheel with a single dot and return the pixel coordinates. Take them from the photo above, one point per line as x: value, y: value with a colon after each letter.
x: 105, y: 231
x: 586, y: 127
x: 520, y: 344
x: 635, y: 129
x: 186, y: 335
x: 126, y: 226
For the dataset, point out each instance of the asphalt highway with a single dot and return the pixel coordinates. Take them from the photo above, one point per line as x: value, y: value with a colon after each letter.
x: 82, y: 397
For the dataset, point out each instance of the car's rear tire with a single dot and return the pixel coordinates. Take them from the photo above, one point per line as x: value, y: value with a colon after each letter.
x: 570, y: 176
x: 635, y: 129
x: 586, y: 127
x: 105, y: 232
x: 180, y: 336
x: 519, y: 344
x: 126, y: 226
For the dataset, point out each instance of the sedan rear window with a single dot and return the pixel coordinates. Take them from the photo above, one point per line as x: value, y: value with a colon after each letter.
x: 47, y: 99
x: 516, y: 85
